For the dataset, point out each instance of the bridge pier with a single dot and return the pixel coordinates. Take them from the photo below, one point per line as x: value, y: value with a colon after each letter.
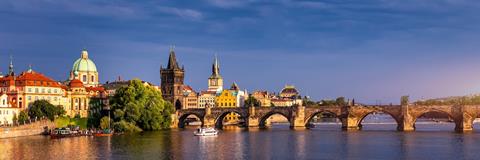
x: 407, y: 121
x: 174, y: 117
x: 208, y: 119
x: 298, y: 118
x: 464, y: 122
x: 350, y: 123
x: 252, y: 120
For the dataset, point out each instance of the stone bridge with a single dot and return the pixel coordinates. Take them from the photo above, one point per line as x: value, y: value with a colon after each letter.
x: 350, y: 116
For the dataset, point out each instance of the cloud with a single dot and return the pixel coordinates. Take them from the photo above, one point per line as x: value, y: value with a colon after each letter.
x: 184, y: 13
x: 88, y: 8
x: 229, y: 3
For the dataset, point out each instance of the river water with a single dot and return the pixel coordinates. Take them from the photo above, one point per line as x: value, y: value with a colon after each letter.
x: 326, y: 141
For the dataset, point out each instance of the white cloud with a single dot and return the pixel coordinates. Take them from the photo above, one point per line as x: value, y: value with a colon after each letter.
x: 184, y: 13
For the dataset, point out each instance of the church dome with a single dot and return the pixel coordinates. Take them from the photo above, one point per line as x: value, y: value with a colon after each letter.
x: 83, y: 64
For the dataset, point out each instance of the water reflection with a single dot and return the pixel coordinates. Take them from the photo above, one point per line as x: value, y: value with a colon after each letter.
x: 276, y: 142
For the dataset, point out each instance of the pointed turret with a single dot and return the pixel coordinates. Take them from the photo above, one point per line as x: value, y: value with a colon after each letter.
x: 215, y: 68
x: 234, y: 87
x: 172, y: 60
x: 11, y: 72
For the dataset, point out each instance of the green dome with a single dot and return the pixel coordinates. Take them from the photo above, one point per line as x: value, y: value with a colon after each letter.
x: 84, y: 64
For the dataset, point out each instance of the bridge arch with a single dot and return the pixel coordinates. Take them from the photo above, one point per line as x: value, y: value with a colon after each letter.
x: 311, y: 116
x: 433, y: 110
x: 264, y: 118
x: 219, y: 119
x: 397, y: 119
x: 182, y: 119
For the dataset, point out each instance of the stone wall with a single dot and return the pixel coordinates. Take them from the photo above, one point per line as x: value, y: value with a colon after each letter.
x: 34, y: 128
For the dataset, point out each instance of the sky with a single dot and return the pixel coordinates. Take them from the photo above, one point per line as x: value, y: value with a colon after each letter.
x: 371, y: 50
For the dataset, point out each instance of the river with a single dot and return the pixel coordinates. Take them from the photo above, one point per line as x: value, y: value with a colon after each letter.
x: 326, y: 141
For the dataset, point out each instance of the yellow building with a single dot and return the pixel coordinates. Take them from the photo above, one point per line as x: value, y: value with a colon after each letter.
x: 227, y: 98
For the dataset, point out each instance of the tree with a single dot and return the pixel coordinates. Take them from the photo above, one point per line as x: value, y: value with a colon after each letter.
x: 340, y: 101
x: 94, y: 115
x: 404, y: 100
x: 43, y: 108
x: 105, y: 123
x: 22, y: 117
x: 252, y: 101
x: 14, y: 119
x: 138, y: 107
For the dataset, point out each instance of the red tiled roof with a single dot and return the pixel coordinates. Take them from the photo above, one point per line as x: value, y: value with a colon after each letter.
x: 30, y: 78
x: 187, y: 88
x: 75, y: 83
x: 95, y: 89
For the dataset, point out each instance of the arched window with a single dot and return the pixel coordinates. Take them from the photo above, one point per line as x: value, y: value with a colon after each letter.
x: 84, y: 78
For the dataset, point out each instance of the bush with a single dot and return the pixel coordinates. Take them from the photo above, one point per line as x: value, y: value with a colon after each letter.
x: 22, y: 117
x: 124, y: 126
x: 105, y: 123
x: 43, y: 108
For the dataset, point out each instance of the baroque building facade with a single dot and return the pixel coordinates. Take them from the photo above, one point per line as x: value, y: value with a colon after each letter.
x: 73, y: 95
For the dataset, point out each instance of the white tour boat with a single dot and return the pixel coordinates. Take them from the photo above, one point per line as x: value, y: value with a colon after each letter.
x: 206, y: 132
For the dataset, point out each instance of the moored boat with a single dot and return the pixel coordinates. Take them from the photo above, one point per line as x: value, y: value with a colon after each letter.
x: 63, y: 133
x: 206, y: 132
x: 104, y: 133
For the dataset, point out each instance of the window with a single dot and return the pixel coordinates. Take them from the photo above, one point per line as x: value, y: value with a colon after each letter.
x: 55, y: 91
x: 93, y: 79
x: 49, y: 90
x: 29, y: 98
x: 43, y: 90
x: 84, y: 78
x: 36, y: 90
x: 29, y: 89
x: 36, y: 97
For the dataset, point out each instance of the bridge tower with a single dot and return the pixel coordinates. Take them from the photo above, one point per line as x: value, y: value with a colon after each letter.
x: 172, y: 81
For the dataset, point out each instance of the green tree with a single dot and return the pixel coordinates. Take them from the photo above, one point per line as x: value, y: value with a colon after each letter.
x: 105, y: 123
x: 252, y: 101
x: 22, y: 117
x: 94, y: 115
x: 138, y: 107
x: 404, y: 100
x: 340, y: 101
x: 14, y: 119
x: 43, y: 108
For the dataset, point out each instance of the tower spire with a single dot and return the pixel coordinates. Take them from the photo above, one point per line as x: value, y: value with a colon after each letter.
x: 215, y: 66
x: 11, y: 72
x: 172, y: 60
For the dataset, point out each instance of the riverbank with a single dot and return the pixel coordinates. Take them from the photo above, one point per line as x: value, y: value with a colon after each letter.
x: 35, y: 128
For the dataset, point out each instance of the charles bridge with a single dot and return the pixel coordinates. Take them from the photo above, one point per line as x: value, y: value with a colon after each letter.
x: 350, y: 116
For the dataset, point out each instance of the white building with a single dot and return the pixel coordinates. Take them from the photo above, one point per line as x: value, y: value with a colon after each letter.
x: 206, y: 98
x: 6, y: 111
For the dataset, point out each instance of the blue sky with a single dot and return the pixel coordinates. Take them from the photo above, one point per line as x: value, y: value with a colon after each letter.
x: 370, y: 50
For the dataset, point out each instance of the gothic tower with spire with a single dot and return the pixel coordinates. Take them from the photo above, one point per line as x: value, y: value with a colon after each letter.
x: 215, y: 81
x: 11, y: 72
x: 172, y: 81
